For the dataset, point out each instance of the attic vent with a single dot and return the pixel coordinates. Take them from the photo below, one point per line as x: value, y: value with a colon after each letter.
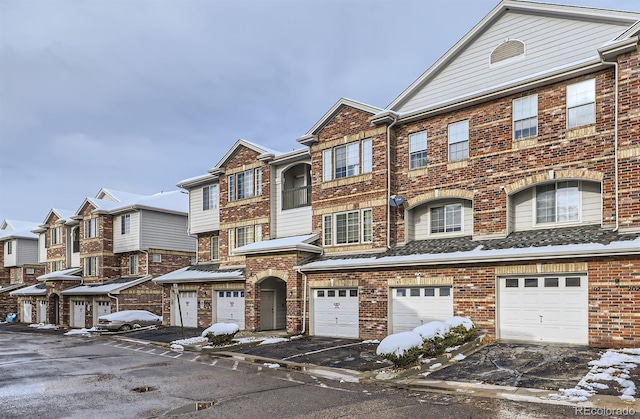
x: 508, y: 49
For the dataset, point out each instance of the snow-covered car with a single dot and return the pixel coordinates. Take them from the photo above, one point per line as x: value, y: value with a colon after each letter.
x: 127, y: 320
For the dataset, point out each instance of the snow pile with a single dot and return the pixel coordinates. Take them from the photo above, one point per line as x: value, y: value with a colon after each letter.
x: 81, y: 332
x: 371, y: 341
x: 43, y: 326
x: 432, y: 330
x: 271, y: 365
x: 191, y: 341
x: 459, y: 321
x: 613, y: 365
x: 218, y: 329
x: 177, y: 347
x: 273, y: 340
x: 399, y: 343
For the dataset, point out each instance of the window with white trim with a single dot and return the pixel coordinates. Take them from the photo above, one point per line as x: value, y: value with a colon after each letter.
x: 458, y: 140
x: 125, y: 224
x: 349, y: 227
x: 90, y: 228
x: 347, y: 160
x: 558, y: 202
x: 242, y: 236
x: 56, y: 265
x: 215, y: 248
x: 133, y: 265
x: 56, y: 235
x: 209, y: 197
x: 9, y: 247
x: 525, y: 117
x: 156, y: 257
x: 418, y: 150
x: 581, y: 103
x: 446, y: 219
x: 245, y: 184
x: 91, y: 266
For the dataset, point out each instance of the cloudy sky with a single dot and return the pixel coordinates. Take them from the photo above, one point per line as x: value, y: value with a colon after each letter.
x: 137, y: 95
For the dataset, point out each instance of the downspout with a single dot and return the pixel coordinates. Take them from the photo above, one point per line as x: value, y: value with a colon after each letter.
x: 115, y: 298
x: 147, y: 261
x: 304, y: 301
x: 615, y: 137
x: 395, y: 120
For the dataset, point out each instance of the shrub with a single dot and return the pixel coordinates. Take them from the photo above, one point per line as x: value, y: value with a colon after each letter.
x: 401, y: 348
x: 408, y: 357
x: 220, y: 333
x: 220, y: 339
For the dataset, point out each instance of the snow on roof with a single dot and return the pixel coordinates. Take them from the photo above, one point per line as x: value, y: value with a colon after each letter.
x: 192, y: 274
x: 176, y: 201
x: 38, y: 289
x: 63, y: 214
x: 9, y: 287
x: 112, y: 287
x: 64, y: 274
x: 479, y: 254
x: 17, y: 225
x: 281, y: 245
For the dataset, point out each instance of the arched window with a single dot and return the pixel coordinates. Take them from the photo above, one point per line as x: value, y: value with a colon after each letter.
x: 508, y: 49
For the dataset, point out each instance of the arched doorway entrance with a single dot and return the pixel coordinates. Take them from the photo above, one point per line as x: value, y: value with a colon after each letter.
x: 273, y: 304
x: 54, y: 309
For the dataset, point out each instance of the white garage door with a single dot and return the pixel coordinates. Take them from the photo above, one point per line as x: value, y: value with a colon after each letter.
x: 335, y: 313
x: 230, y: 307
x: 26, y: 312
x: 77, y: 313
x: 101, y: 308
x: 412, y: 307
x: 544, y: 309
x: 189, y: 309
x: 41, y: 308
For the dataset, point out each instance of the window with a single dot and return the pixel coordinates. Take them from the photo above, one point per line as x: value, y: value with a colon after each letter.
x: 347, y: 160
x: 459, y: 140
x: 91, y: 266
x: 551, y: 282
x: 429, y: 292
x: 350, y: 227
x: 91, y: 228
x: 56, y: 265
x: 446, y: 219
x: 531, y: 282
x: 414, y: 292
x: 445, y: 292
x: 30, y: 271
x: 557, y: 202
x: 245, y: 184
x: 525, y: 117
x: 581, y: 103
x: 215, y: 248
x: 156, y: 257
x: 133, y: 264
x: 401, y: 292
x: 125, y: 224
x: 10, y: 247
x: 367, y: 155
x: 418, y: 150
x: 508, y: 49
x: 572, y: 282
x: 511, y: 283
x: 242, y: 236
x: 56, y: 235
x: 209, y: 197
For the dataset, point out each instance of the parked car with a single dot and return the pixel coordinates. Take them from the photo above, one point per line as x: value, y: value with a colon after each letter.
x: 127, y: 320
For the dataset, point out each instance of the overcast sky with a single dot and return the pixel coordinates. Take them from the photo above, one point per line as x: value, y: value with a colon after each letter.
x: 137, y: 95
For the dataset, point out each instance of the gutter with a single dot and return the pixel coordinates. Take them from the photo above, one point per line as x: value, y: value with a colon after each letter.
x: 393, y: 262
x: 395, y: 120
x: 304, y: 301
x: 115, y: 298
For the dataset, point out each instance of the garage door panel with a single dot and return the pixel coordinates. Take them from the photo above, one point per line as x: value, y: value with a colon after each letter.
x: 544, y: 309
x: 230, y: 307
x: 415, y: 306
x: 335, y: 313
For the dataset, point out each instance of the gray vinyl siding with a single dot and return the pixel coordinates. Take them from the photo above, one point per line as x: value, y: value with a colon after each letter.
x: 165, y: 231
x: 523, y: 207
x: 550, y: 43
x: 126, y: 242
x: 201, y: 221
x: 419, y: 220
x: 26, y: 252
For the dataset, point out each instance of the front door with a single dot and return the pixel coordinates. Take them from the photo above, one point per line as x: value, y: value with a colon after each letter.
x: 267, y: 310
x: 78, y: 314
x: 54, y: 314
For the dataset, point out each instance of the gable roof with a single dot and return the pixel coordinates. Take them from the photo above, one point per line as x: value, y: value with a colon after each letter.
x: 203, y: 272
x: 62, y: 214
x: 331, y: 113
x: 18, y: 229
x: 264, y: 153
x: 114, y: 286
x: 464, y: 73
x: 171, y: 201
x: 38, y: 289
x: 62, y: 275
x: 285, y: 244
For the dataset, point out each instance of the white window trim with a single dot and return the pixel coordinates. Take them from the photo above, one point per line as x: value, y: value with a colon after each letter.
x: 446, y: 233
x: 215, y: 239
x: 421, y: 150
x: 580, y: 104
x: 458, y: 141
x: 334, y: 227
x: 249, y: 191
x: 531, y: 116
x: 209, y: 203
x: 9, y: 247
x: 329, y: 166
x: 134, y: 265
x: 125, y: 224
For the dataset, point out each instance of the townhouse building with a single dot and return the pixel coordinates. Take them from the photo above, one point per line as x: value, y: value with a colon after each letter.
x: 19, y: 266
x: 101, y: 258
x: 502, y: 185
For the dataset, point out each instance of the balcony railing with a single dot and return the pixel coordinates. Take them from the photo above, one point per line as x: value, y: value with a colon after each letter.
x: 296, y: 197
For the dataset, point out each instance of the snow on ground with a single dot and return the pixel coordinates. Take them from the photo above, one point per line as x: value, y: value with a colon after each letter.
x: 273, y: 340
x: 371, y: 341
x: 43, y: 326
x: 191, y: 341
x: 271, y: 365
x: 613, y: 366
x: 399, y: 343
x: 82, y: 332
x: 177, y: 347
x: 458, y: 357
